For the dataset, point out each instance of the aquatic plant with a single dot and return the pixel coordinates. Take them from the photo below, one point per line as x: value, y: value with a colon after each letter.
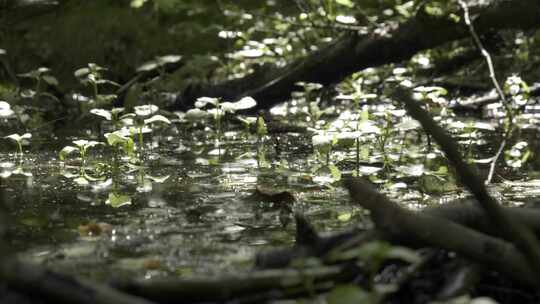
x: 219, y: 109
x: 261, y: 131
x: 109, y: 115
x: 18, y: 139
x: 144, y: 121
x: 92, y: 76
x: 40, y: 75
x: 322, y: 144
x: 81, y: 146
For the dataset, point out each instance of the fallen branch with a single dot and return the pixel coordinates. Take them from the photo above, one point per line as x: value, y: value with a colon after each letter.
x: 440, y: 233
x: 352, y: 53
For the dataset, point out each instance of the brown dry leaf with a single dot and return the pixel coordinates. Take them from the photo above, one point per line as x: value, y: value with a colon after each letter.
x: 152, y: 264
x: 95, y: 229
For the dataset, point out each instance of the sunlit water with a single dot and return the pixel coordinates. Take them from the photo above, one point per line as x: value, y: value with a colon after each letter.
x: 189, y: 214
x: 189, y: 211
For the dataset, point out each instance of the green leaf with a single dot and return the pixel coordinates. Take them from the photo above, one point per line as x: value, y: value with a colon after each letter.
x: 158, y: 179
x: 115, y: 138
x: 203, y: 101
x: 347, y: 3
x: 157, y: 118
x: 364, y: 115
x: 344, y: 217
x: 50, y: 80
x: 106, y: 81
x: 137, y: 3
x: 18, y: 138
x: 67, y: 150
x: 349, y: 294
x: 102, y: 112
x: 335, y: 172
x: 118, y: 200
x: 145, y: 110
x: 261, y: 127
x: 82, y: 72
x: 129, y: 147
x: 168, y: 59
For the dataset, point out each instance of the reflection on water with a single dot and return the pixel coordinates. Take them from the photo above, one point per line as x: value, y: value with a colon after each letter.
x: 191, y: 209
x: 183, y: 214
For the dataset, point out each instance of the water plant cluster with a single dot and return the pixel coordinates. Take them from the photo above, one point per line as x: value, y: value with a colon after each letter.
x: 365, y: 134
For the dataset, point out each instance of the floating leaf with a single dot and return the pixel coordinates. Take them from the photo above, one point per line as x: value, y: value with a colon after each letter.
x: 117, y: 200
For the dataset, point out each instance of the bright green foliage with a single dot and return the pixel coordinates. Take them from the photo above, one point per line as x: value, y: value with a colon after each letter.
x: 117, y: 200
